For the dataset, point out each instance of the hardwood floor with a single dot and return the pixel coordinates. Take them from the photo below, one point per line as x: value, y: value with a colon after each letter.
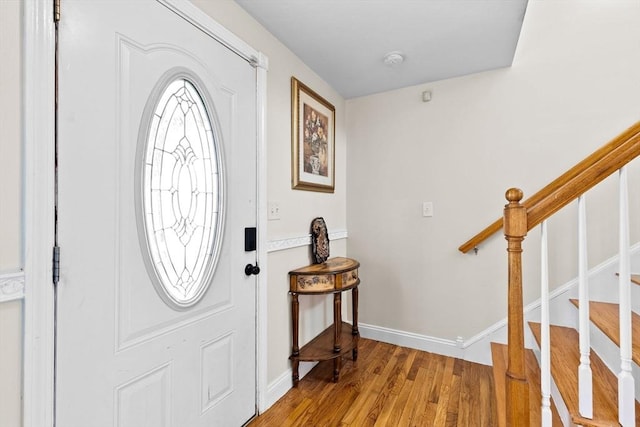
x: 389, y: 386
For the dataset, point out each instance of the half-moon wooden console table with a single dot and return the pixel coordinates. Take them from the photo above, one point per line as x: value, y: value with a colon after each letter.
x: 334, y: 276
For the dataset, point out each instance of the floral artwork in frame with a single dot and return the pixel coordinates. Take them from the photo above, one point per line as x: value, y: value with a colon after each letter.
x: 313, y: 140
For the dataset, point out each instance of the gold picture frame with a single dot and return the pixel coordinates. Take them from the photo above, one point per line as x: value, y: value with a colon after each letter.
x: 312, y: 140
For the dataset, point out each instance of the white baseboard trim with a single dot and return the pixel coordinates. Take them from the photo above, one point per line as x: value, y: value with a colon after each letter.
x: 478, y: 347
x: 281, y: 385
x: 408, y: 339
x: 299, y: 241
x: 11, y: 286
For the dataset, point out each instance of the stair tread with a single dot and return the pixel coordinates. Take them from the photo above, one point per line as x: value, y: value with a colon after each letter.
x: 500, y: 357
x: 606, y: 316
x: 635, y: 278
x: 565, y: 359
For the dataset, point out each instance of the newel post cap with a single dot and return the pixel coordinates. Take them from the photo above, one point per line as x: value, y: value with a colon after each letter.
x: 515, y: 214
x: 514, y: 195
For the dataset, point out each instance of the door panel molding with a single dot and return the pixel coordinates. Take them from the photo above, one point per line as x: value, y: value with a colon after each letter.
x: 215, y: 385
x: 131, y: 396
x: 130, y: 330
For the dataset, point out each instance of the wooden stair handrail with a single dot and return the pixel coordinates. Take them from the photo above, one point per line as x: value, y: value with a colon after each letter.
x: 576, y: 181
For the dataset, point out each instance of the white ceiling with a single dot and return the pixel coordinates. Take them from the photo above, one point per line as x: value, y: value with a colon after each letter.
x: 344, y: 41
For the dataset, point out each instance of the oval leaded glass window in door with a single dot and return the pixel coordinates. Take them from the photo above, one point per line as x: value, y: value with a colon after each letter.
x: 181, y: 186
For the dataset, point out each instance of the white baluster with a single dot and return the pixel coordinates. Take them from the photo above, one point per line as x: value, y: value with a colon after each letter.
x: 585, y: 388
x: 626, y: 395
x: 545, y: 345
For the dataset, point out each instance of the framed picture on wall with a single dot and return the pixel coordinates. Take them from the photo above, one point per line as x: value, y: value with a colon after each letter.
x: 313, y: 140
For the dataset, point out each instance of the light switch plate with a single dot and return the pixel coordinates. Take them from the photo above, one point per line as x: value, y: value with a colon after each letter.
x: 273, y: 211
x: 427, y: 209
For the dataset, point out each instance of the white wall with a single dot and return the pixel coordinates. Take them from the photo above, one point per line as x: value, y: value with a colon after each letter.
x: 297, y: 208
x: 10, y: 165
x: 10, y: 212
x: 573, y: 85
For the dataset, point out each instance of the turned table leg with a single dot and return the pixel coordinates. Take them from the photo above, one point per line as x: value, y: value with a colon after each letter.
x: 354, y: 327
x: 337, y: 332
x: 337, y: 365
x: 295, y: 352
x: 337, y: 321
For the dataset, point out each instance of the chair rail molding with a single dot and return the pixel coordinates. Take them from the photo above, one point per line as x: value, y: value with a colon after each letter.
x: 299, y: 241
x: 11, y: 286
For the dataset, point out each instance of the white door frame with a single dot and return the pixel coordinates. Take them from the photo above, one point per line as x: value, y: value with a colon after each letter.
x: 38, y: 133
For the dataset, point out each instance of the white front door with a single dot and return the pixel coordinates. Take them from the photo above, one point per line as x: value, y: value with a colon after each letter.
x: 156, y: 319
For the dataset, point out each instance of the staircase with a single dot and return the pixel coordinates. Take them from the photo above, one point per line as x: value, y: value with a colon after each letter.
x: 565, y: 359
x: 565, y: 381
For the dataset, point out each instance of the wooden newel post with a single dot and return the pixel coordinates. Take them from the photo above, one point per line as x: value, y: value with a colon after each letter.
x: 515, y: 229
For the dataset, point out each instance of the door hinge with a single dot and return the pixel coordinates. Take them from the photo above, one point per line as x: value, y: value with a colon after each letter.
x: 56, y: 265
x: 56, y: 10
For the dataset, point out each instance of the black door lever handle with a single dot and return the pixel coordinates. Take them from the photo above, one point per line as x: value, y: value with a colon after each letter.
x: 251, y: 269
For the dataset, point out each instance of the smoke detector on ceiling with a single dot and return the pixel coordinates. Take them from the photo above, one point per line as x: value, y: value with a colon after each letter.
x: 393, y: 59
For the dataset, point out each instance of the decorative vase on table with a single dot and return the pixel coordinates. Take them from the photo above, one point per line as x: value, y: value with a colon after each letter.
x: 319, y: 240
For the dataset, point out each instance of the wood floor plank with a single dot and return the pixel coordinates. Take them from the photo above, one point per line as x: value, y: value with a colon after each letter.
x: 484, y: 401
x: 383, y: 392
x: 295, y: 414
x: 419, y: 361
x: 385, y: 415
x: 464, y: 401
x: 323, y: 393
x: 370, y: 391
x: 358, y: 384
x: 499, y: 368
x: 481, y: 407
x: 454, y: 395
x: 436, y: 378
x: 440, y: 417
x: 423, y: 408
x: 416, y: 396
x: 387, y: 386
x: 402, y: 401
